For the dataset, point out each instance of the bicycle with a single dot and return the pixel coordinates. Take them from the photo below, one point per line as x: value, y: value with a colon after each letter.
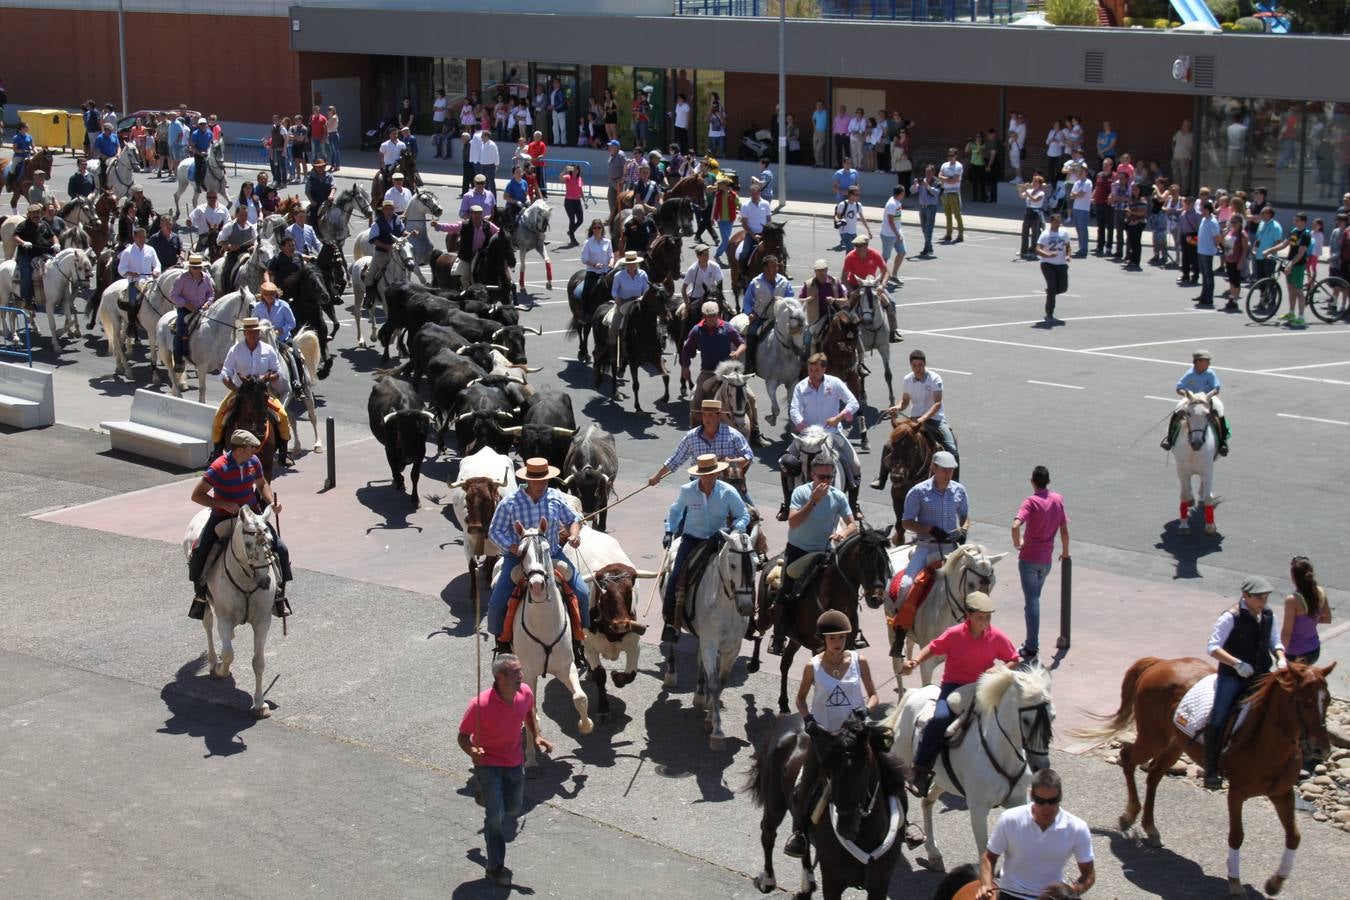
x: 1324, y: 295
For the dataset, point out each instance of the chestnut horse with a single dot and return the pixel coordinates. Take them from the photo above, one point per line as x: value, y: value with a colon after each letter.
x: 770, y: 242
x: 1286, y: 710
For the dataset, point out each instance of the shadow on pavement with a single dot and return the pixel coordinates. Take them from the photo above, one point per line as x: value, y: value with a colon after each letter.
x: 392, y: 505
x: 1158, y: 871
x: 1188, y: 549
x: 677, y: 739
x: 113, y: 386
x: 219, y: 720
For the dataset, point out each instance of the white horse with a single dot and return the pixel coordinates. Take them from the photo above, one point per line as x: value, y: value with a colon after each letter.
x: 214, y: 179
x: 154, y: 304
x: 531, y: 234
x: 732, y: 387
x: 249, y: 273
x: 778, y: 356
x: 9, y: 296
x: 122, y: 171
x: 207, y: 346
x: 240, y: 587
x: 401, y: 265
x: 1195, y: 454
x: 542, y: 634
x: 333, y: 221
x: 968, y: 568
x: 423, y: 208
x: 70, y: 274
x: 993, y: 750
x: 8, y: 225
x: 874, y: 331
x: 724, y: 600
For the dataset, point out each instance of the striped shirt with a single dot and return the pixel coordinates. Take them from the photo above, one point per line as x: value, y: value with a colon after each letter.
x: 521, y: 507
x: 928, y: 506
x: 728, y: 443
x: 232, y: 482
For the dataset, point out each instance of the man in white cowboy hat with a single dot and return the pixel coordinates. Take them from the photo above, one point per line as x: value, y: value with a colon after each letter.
x: 629, y: 286
x: 235, y: 480
x: 399, y: 194
x: 479, y: 196
x: 384, y: 232
x: 529, y: 505
x: 474, y: 234
x: 712, y: 435
x: 272, y: 307
x: 701, y: 509
x: 192, y: 292
x: 253, y: 358
x: 755, y: 214
x: 862, y: 263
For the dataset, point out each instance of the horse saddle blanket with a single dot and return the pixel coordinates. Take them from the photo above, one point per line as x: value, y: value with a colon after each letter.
x: 919, y: 590
x: 1193, y: 711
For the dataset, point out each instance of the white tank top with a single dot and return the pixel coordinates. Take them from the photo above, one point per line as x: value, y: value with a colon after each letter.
x: 834, y: 700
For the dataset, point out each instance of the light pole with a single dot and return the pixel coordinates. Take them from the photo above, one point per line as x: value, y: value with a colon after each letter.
x: 122, y: 56
x: 782, y: 104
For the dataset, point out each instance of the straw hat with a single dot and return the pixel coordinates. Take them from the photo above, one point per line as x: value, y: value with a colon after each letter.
x: 268, y: 288
x: 711, y: 406
x: 536, y: 468
x: 251, y: 324
x: 631, y: 258
x: 707, y: 464
x: 195, y: 261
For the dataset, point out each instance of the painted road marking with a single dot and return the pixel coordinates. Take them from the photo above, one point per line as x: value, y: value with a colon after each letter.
x: 1344, y: 362
x: 952, y: 372
x: 1312, y: 419
x: 1189, y: 312
x: 1163, y: 399
x: 1072, y: 387
x: 975, y: 299
x: 1228, y: 337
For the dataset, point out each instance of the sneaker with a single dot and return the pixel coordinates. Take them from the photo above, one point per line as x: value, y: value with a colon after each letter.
x: 1298, y: 322
x: 1287, y: 317
x: 959, y: 239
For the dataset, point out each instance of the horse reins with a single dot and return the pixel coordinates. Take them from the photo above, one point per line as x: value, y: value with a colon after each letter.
x: 548, y: 577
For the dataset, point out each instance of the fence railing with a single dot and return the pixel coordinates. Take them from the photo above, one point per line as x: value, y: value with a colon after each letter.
x: 553, y: 167
x: 249, y: 151
x: 896, y: 10
x: 27, y: 352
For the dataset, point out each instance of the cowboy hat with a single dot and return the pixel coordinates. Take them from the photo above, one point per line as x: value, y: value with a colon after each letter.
x: 701, y: 248
x: 243, y: 438
x: 832, y: 621
x: 710, y: 308
x: 250, y: 324
x: 268, y: 288
x: 711, y: 405
x: 631, y: 258
x: 388, y: 203
x: 820, y: 264
x: 707, y: 464
x: 195, y: 261
x: 979, y: 601
x: 536, y: 468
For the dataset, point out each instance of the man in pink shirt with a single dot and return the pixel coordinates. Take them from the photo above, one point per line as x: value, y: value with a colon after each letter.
x: 489, y: 733
x: 970, y: 648
x: 1042, y: 515
x: 840, y: 132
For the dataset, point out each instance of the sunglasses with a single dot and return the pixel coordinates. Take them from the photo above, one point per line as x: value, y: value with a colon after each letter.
x: 1046, y: 801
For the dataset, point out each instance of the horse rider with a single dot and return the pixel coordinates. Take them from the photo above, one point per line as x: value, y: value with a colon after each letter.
x: 138, y: 264
x: 136, y: 211
x: 516, y: 194
x: 861, y: 263
x: 268, y: 197
x: 701, y: 279
x: 390, y: 151
x: 716, y: 341
x: 235, y: 480
x: 713, y: 435
x: 58, y: 224
x: 319, y: 187
x: 210, y: 216
x: 639, y: 231
x: 921, y: 391
x: 839, y: 684
x: 646, y: 192
x: 166, y: 243
x: 532, y: 503
x: 822, y: 297
x: 479, y: 196
x: 817, y: 509
x: 384, y: 232
x: 755, y: 213
x: 192, y: 292
x: 199, y: 144
x: 937, y: 510
x: 970, y: 648
x: 759, y: 302
x: 824, y: 400
x: 106, y: 146
x: 399, y: 194
x: 252, y: 357
x: 275, y: 309
x: 22, y: 145
x: 627, y: 288
x: 36, y: 243
x: 702, y: 508
x: 597, y: 255
x: 40, y: 192
x: 1244, y: 638
x: 1199, y: 379
x: 234, y: 239
x: 285, y: 266
x: 474, y: 235
x: 81, y: 183
x: 307, y: 243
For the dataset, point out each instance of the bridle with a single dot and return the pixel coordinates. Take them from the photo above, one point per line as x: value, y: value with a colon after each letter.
x: 1040, y: 728
x: 867, y: 541
x: 743, y: 574
x: 539, y: 550
x: 246, y: 564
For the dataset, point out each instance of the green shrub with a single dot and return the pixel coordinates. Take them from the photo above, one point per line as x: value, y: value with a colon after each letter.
x: 1226, y: 26
x: 1224, y: 10
x: 1148, y: 10
x: 1161, y: 23
x: 1071, y: 12
x: 1248, y: 25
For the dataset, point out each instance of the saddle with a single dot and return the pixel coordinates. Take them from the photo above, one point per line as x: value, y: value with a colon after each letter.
x: 692, y: 574
x: 918, y: 592
x: 562, y: 576
x: 962, y: 704
x: 805, y: 572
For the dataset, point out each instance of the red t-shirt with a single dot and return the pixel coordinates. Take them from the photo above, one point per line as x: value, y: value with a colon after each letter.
x: 494, y: 725
x: 861, y: 264
x: 318, y: 127
x: 536, y: 149
x: 969, y: 657
x: 1041, y: 515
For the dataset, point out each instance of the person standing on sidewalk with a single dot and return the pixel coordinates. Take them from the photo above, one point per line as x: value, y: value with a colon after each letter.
x: 1053, y: 249
x: 929, y: 192
x: 1208, y: 244
x: 892, y: 239
x: 1042, y: 515
x: 820, y: 136
x: 1101, y: 208
x: 1033, y: 219
x: 489, y: 732
x: 1183, y: 151
x: 950, y: 176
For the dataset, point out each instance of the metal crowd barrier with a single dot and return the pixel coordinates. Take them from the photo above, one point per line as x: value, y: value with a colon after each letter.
x: 249, y: 151
x: 27, y: 352
x: 553, y: 172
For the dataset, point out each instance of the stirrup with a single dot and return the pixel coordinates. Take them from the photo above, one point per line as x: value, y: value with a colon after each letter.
x: 795, y: 846
x: 281, y: 607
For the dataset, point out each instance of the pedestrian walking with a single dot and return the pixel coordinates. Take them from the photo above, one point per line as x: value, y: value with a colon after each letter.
x: 489, y: 732
x: 950, y: 176
x: 1304, y: 609
x: 1035, y: 841
x: 1053, y: 249
x: 1038, y: 520
x: 1208, y: 243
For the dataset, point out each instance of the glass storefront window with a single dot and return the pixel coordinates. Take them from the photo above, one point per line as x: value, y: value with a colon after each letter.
x: 505, y: 76
x: 707, y: 83
x: 1298, y: 151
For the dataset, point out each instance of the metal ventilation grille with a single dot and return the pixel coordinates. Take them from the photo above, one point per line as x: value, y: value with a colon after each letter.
x: 1202, y: 72
x: 1094, y: 66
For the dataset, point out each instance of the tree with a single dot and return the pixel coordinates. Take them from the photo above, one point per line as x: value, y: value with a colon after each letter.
x: 1071, y: 12
x: 1318, y: 16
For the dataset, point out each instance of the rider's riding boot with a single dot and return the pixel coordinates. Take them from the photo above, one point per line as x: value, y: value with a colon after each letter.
x: 853, y: 499
x: 895, y: 328
x: 669, y: 635
x: 787, y: 478
x: 1213, y: 748
x: 198, y: 608
x: 884, y: 473
x: 1171, y: 430
x: 920, y: 781
x: 757, y: 439
x: 281, y: 607
x: 282, y: 459
x: 499, y: 647
x: 579, y: 657
x: 795, y: 846
x: 898, y: 643
x: 1221, y: 426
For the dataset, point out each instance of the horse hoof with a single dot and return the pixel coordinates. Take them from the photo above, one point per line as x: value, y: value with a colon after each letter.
x: 752, y: 666
x: 585, y: 726
x: 1273, y: 885
x: 262, y: 712
x: 933, y: 865
x: 361, y: 344
x: 220, y: 672
x: 765, y: 884
x: 318, y: 447
x: 717, y: 744
x: 1211, y: 528
x: 1153, y: 839
x: 1235, y: 888
x: 1125, y: 823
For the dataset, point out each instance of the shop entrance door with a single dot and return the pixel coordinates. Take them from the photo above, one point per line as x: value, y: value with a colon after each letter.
x: 652, y: 82
x: 543, y: 82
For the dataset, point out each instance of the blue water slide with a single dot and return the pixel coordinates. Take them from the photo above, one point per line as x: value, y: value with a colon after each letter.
x: 1192, y: 11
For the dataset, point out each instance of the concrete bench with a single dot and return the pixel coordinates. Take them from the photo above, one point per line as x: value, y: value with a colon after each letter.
x: 166, y: 428
x: 26, y: 397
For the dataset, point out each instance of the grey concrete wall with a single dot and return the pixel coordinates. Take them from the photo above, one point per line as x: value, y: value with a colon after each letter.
x: 1276, y: 67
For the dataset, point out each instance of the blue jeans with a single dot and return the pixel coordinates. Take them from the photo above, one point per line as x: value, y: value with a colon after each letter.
x: 334, y: 151
x: 501, y: 593
x: 1033, y: 577
x: 1206, y: 277
x: 180, y: 334
x: 25, y: 275
x: 503, y: 789
x: 1080, y: 222
x: 724, y: 228
x: 687, y: 545
x: 927, y: 221
x: 931, y: 741
x: 717, y: 146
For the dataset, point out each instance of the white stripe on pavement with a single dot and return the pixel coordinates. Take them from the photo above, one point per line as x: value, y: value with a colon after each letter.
x: 1229, y: 337
x: 1191, y: 312
x: 1072, y: 387
x: 1163, y: 399
x: 1312, y: 419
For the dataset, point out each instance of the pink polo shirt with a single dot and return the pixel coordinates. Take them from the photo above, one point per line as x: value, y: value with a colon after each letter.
x: 969, y: 657
x: 494, y: 725
x: 1041, y: 516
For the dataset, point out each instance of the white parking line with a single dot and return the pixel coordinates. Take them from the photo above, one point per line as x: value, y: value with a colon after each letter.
x: 1189, y: 312
x: 1163, y: 399
x: 1312, y: 419
x: 1230, y: 337
x: 952, y: 372
x: 973, y: 299
x: 1072, y: 387
x: 1344, y: 362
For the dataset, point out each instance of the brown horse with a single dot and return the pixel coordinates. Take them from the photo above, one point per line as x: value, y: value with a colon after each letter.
x: 690, y: 187
x: 40, y: 161
x: 905, y: 461
x: 407, y: 164
x: 770, y: 242
x: 288, y: 206
x: 663, y: 261
x: 865, y: 793
x: 252, y: 413
x: 1286, y: 710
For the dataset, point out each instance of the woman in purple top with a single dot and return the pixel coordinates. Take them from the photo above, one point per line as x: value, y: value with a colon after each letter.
x: 1042, y: 515
x: 1304, y: 610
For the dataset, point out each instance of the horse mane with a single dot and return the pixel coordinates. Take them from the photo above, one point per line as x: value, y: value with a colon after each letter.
x: 732, y: 370
x: 955, y: 880
x: 1032, y: 682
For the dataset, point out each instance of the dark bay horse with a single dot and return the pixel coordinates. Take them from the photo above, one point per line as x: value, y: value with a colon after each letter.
x: 663, y: 261
x: 1286, y: 711
x: 675, y: 217
x: 859, y: 563
x: 865, y: 785
x: 906, y: 460
x: 252, y: 413
x: 770, y: 242
x: 844, y: 359
x: 583, y: 310
x: 640, y: 344
x: 407, y: 164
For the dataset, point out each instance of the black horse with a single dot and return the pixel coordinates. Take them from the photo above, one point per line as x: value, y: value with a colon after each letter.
x: 309, y: 298
x: 332, y: 263
x: 675, y: 217
x: 864, y: 786
x: 640, y: 344
x: 583, y: 310
x: 252, y: 413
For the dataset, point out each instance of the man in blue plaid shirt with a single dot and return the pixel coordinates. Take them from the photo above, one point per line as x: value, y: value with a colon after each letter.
x: 714, y: 436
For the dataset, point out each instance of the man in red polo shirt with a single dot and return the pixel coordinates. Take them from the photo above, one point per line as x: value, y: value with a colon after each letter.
x: 861, y: 263
x: 489, y: 732
x: 537, y: 148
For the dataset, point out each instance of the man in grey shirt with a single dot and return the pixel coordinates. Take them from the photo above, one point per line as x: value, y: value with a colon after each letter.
x: 617, y: 161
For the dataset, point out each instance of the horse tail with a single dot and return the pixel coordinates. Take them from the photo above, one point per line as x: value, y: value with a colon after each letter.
x: 757, y: 774
x: 1125, y: 714
x: 307, y: 342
